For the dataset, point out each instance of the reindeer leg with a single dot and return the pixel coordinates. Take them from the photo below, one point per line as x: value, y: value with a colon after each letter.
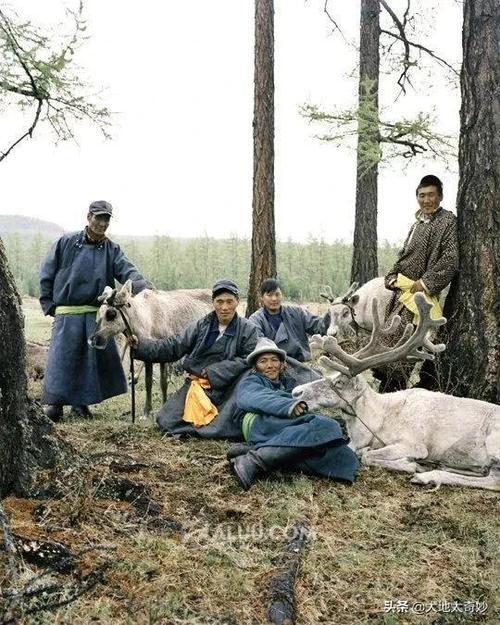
x: 489, y: 482
x: 138, y: 370
x: 149, y: 386
x: 395, y: 457
x: 164, y: 380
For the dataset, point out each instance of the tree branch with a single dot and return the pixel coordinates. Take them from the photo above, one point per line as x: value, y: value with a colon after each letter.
x: 406, y: 56
x: 428, y: 51
x: 28, y: 133
x: 407, y: 62
x: 41, y: 72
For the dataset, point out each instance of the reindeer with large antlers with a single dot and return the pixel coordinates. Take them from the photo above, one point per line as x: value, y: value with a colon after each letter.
x: 408, y: 430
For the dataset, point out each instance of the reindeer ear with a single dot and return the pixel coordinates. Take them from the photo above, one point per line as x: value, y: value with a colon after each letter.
x: 126, y: 290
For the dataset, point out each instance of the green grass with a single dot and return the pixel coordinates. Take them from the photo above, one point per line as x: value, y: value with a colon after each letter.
x: 37, y: 327
x: 380, y: 540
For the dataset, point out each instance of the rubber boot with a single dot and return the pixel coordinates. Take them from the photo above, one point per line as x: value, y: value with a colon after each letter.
x: 54, y: 412
x: 248, y: 467
x: 238, y: 449
x: 83, y: 412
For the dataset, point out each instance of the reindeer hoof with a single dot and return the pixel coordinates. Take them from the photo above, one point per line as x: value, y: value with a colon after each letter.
x: 425, y: 478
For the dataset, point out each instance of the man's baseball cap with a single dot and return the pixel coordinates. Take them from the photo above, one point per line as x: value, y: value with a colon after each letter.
x: 100, y: 207
x: 225, y: 285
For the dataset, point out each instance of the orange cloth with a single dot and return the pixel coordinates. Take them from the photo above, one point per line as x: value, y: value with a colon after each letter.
x: 198, y: 409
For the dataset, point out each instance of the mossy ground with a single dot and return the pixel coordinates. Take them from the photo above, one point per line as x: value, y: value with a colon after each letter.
x: 380, y: 540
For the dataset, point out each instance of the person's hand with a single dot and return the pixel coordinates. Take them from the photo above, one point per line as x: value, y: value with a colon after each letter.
x: 299, y: 409
x: 390, y: 282
x: 132, y: 340
x: 417, y: 287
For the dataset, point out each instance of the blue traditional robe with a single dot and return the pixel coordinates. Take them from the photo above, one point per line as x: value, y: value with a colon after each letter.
x: 75, y: 273
x: 292, y: 333
x: 273, y: 426
x: 223, y: 361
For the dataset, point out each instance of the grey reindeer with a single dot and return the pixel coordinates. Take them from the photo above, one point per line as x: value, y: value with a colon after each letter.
x: 151, y: 314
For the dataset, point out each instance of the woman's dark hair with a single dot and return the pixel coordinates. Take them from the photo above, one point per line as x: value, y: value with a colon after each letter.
x: 269, y: 285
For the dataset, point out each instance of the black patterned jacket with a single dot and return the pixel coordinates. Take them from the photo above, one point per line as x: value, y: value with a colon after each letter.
x: 430, y: 252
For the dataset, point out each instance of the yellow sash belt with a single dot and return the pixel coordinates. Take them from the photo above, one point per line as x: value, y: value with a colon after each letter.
x: 198, y: 409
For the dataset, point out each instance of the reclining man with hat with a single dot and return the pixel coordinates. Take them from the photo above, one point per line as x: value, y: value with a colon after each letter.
x: 214, y: 351
x: 279, y: 430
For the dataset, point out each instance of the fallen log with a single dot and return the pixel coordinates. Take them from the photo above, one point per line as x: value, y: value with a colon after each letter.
x: 282, y: 585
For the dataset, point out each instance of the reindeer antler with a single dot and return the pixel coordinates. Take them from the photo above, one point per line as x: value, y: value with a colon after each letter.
x: 327, y: 293
x: 350, y: 291
x: 376, y: 354
x: 107, y: 295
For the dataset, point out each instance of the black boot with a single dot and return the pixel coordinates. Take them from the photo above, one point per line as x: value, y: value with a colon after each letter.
x: 248, y: 467
x: 238, y: 449
x: 53, y: 412
x: 81, y: 411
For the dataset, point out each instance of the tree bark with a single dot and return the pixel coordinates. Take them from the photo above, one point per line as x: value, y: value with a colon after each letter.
x: 263, y: 264
x: 471, y: 363
x: 364, y: 260
x: 26, y: 441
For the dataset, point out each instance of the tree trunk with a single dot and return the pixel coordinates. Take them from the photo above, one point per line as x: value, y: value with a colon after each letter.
x: 26, y: 443
x: 471, y: 362
x: 364, y: 261
x: 263, y: 263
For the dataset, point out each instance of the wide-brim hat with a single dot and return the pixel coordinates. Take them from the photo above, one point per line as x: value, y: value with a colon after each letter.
x: 265, y: 346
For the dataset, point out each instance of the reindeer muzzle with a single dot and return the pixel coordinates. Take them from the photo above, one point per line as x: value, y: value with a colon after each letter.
x: 97, y: 342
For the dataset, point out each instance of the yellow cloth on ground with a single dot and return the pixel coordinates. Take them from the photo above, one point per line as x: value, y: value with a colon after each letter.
x: 406, y: 298
x: 198, y: 409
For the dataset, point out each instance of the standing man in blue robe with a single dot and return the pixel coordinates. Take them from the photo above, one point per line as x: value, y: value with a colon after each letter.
x: 288, y: 326
x: 72, y: 276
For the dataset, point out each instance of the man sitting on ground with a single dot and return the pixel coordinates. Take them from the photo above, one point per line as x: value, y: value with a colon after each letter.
x: 214, y: 351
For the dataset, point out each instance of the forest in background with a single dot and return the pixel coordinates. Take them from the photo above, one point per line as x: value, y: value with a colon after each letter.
x: 170, y: 263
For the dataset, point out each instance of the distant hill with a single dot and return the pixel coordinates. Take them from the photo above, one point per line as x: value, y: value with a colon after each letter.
x: 28, y: 227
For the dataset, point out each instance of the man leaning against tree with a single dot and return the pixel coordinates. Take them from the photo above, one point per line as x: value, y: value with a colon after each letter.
x: 429, y: 257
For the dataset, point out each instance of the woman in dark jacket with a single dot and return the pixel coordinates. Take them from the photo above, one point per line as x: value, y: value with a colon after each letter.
x: 279, y: 429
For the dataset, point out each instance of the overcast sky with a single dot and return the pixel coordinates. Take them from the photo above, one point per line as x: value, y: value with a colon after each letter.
x: 179, y: 76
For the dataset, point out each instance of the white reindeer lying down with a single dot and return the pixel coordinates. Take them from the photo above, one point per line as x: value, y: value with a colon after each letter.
x: 405, y: 430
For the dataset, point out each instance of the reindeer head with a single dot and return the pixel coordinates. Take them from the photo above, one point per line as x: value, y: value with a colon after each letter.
x: 342, y: 385
x: 110, y: 321
x: 342, y: 311
x: 335, y: 390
